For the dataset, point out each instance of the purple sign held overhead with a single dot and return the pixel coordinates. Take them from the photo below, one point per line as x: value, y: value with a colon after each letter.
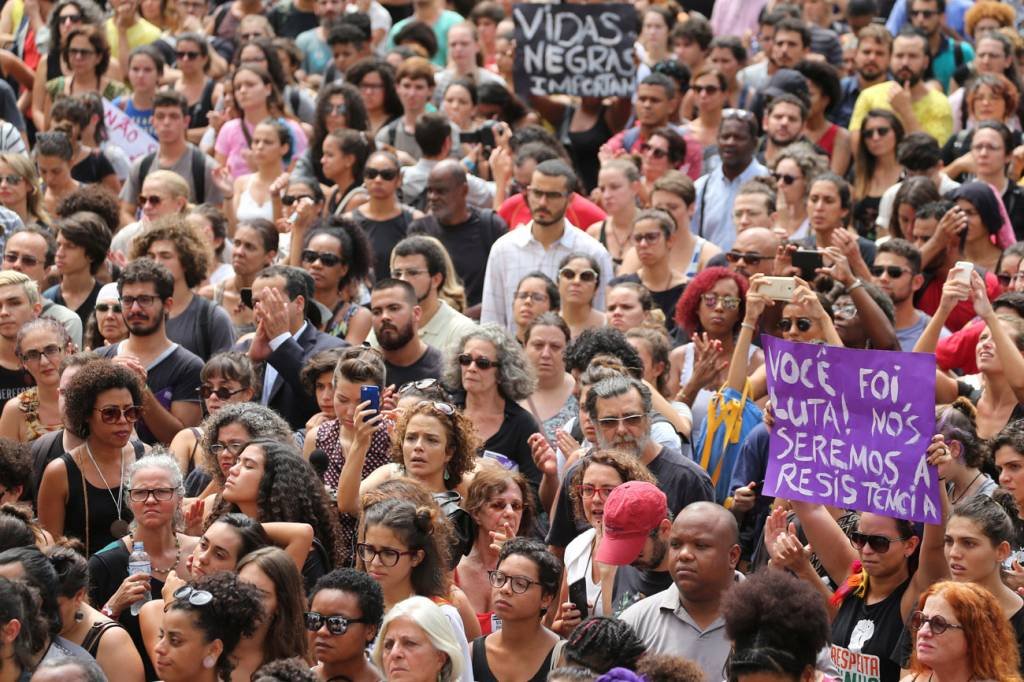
x: 851, y: 428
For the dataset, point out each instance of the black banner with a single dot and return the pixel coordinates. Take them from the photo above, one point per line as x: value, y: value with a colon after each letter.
x: 582, y: 50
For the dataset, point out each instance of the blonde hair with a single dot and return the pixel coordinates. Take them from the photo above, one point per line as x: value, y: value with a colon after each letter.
x: 23, y: 166
x: 170, y: 182
x: 12, y: 277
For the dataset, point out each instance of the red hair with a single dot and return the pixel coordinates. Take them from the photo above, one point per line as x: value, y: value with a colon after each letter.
x: 688, y: 307
x: 991, y: 645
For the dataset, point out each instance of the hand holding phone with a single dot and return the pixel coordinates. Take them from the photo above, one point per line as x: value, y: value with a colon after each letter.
x: 370, y: 394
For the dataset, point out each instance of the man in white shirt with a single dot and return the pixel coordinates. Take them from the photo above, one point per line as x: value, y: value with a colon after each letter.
x: 541, y: 244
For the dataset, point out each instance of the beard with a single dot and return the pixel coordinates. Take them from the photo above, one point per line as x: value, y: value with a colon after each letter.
x: 393, y: 338
x: 139, y: 328
x: 904, y: 75
x: 634, y: 445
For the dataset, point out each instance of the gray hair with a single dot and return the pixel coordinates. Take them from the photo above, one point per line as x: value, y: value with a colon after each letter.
x: 88, y: 667
x: 811, y: 163
x: 49, y: 324
x: 613, y: 387
x: 261, y: 422
x: 516, y: 379
x: 160, y: 458
x: 438, y: 629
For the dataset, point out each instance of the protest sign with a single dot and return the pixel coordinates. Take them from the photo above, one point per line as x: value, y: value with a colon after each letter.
x: 582, y: 50
x: 851, y: 428
x: 124, y: 133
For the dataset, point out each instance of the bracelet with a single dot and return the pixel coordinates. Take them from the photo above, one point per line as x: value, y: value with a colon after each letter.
x: 747, y: 325
x: 856, y: 283
x: 108, y: 612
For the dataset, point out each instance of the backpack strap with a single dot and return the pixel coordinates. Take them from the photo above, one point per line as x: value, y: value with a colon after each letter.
x: 205, y: 320
x: 630, y: 138
x: 958, y: 54
x: 198, y: 175
x: 393, y: 132
x: 147, y: 163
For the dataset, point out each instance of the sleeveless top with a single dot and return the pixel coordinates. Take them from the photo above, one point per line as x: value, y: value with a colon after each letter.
x: 828, y: 140
x: 384, y: 235
x: 249, y: 209
x: 28, y: 403
x: 340, y: 328
x: 91, y: 643
x: 86, y: 501
x: 198, y: 112
x: 694, y: 267
x: 482, y: 669
x: 602, y: 237
x: 583, y: 145
x: 863, y: 636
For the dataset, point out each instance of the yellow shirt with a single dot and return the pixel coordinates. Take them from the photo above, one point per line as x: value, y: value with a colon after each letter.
x: 933, y: 111
x: 141, y: 33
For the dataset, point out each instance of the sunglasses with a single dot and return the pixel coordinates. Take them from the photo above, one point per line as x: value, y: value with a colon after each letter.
x: 192, y: 595
x: 648, y: 238
x: 752, y: 258
x: 71, y: 18
x: 880, y: 131
x: 878, y: 543
x: 152, y: 199
x: 10, y: 179
x: 728, y: 302
x: 386, y: 174
x: 631, y: 420
x: 52, y: 352
x: 336, y: 625
x: 937, y: 624
x: 111, y: 414
x: 388, y: 557
x: 107, y: 307
x: 802, y: 323
x: 80, y: 52
x: 894, y: 271
x: 656, y: 152
x: 13, y: 257
x: 206, y: 391
x: 235, y: 448
x: 785, y: 178
x: 337, y: 110
x: 421, y: 385
x: 927, y: 14
x: 188, y: 54
x: 1004, y: 278
x: 142, y: 494
x: 587, y: 275
x: 709, y: 89
x: 326, y: 257
x: 443, y: 408
x: 289, y: 199
x: 465, y: 359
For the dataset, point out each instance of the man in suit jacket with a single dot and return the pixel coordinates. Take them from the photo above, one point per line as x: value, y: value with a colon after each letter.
x: 285, y: 340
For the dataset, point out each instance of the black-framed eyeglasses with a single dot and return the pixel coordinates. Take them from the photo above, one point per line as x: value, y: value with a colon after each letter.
x: 111, y: 414
x: 336, y: 625
x: 926, y: 13
x: 143, y: 494
x: 520, y: 583
x: 878, y: 543
x: 804, y: 324
x: 420, y: 385
x: 52, y: 352
x: 894, y: 271
x: 465, y: 359
x: 534, y: 296
x: 235, y: 448
x: 145, y: 300
x: 107, y: 307
x: 328, y: 259
x: 937, y: 624
x: 386, y: 556
x: 205, y: 391
x: 749, y: 257
x: 195, y: 597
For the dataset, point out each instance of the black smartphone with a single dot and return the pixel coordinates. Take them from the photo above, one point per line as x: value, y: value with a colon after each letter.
x: 483, y: 135
x: 808, y: 260
x: 578, y: 596
x: 246, y: 296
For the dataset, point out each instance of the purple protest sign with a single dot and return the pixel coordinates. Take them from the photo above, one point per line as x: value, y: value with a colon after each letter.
x: 851, y: 428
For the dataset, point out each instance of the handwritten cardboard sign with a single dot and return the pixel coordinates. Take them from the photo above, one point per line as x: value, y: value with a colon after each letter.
x: 582, y: 50
x: 125, y: 134
x: 851, y: 428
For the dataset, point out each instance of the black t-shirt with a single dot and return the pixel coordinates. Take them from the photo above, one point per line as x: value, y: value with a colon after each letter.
x: 633, y: 584
x: 13, y: 382
x: 384, y: 235
x: 511, y: 441
x: 682, y: 481
x: 429, y: 366
x: 468, y: 243
x: 289, y: 21
x: 83, y: 311
x: 93, y: 168
x: 174, y: 378
x: 865, y: 636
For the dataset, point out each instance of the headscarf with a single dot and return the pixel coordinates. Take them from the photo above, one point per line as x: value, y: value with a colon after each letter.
x: 991, y: 210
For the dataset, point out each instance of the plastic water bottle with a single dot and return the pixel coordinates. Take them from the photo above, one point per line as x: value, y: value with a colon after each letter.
x: 138, y: 562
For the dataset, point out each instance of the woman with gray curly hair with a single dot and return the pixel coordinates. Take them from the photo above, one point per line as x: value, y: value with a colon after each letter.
x: 794, y: 170
x: 490, y: 373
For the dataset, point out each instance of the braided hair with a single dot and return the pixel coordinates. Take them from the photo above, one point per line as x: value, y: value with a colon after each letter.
x: 601, y: 643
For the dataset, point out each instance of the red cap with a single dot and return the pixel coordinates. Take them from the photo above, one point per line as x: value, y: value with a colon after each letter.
x: 631, y: 512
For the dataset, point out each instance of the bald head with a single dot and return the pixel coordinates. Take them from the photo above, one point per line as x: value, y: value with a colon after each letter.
x: 714, y: 516
x: 449, y: 170
x: 759, y: 245
x: 447, y: 190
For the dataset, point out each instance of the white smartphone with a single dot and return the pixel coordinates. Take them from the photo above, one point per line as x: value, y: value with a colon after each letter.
x: 963, y: 270
x: 777, y: 288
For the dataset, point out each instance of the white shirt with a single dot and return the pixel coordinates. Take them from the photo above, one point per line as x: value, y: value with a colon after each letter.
x: 269, y: 373
x: 517, y: 253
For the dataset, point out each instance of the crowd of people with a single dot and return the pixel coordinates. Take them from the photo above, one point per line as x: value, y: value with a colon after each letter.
x: 374, y: 367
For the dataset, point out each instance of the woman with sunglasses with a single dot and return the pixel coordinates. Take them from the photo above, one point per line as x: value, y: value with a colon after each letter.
x: 346, y: 608
x: 282, y: 633
x: 106, y: 325
x: 337, y: 255
x: 226, y: 378
x: 40, y: 346
x: 384, y: 219
x: 85, y: 52
x: 192, y: 52
x: 794, y: 169
x: 492, y: 374
x: 523, y: 588
x: 338, y: 106
x: 254, y: 247
x: 618, y: 184
x: 579, y: 276
x: 402, y: 549
x: 81, y: 494
x: 654, y: 235
x: 664, y: 150
x: 875, y: 168
x: 961, y: 634
x: 711, y: 89
x: 155, y: 493
x: 20, y: 190
x: 202, y: 627
x: 535, y: 295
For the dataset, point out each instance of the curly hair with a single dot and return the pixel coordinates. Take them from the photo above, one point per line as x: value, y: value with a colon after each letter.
x: 516, y: 379
x: 601, y: 341
x: 810, y: 162
x: 321, y: 363
x: 778, y: 624
x: 294, y: 669
x: 414, y: 526
x: 259, y: 421
x: 147, y: 270
x: 355, y: 247
x: 666, y: 668
x: 15, y: 465
x: 193, y: 252
x: 364, y: 588
x: 235, y: 612
x: 687, y: 310
x: 490, y: 481
x: 95, y: 199
x: 82, y: 391
x: 626, y: 465
x: 291, y: 491
x: 286, y: 633
x: 601, y: 643
x: 988, y: 10
x: 460, y: 439
x: 992, y: 652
